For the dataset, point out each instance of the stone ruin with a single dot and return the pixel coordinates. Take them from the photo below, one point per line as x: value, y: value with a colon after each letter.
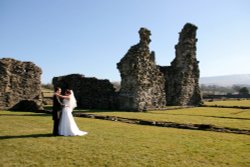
x: 90, y: 93
x: 20, y: 86
x: 146, y: 86
x: 182, y: 77
x: 142, y: 85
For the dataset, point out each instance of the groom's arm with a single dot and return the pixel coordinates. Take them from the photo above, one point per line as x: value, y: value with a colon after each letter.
x: 59, y: 101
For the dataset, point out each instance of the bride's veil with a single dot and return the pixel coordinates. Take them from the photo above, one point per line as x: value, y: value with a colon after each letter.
x: 72, y: 101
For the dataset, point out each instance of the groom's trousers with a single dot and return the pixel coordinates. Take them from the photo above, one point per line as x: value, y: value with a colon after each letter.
x: 56, y: 119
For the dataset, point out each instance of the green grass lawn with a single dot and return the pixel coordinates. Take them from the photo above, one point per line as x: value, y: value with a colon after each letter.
x: 26, y: 141
x: 245, y: 103
x: 224, y: 117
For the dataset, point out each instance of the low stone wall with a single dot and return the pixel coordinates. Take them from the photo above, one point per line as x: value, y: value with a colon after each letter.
x: 89, y: 92
x: 206, y: 127
x: 48, y: 101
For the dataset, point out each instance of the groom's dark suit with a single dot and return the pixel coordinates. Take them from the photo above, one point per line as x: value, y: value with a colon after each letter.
x: 57, y: 109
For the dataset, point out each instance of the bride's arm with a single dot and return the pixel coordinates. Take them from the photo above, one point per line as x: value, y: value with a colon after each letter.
x: 61, y: 96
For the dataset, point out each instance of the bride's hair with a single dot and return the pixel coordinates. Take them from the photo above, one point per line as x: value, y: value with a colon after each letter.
x: 68, y: 91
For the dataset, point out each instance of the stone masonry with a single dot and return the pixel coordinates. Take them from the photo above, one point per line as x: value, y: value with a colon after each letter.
x: 142, y: 84
x: 20, y: 86
x: 90, y: 93
x: 182, y: 77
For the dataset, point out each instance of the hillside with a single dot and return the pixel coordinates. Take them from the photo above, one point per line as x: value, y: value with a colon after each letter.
x: 226, y: 80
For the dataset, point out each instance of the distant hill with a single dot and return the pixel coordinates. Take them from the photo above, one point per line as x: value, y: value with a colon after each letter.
x: 226, y: 80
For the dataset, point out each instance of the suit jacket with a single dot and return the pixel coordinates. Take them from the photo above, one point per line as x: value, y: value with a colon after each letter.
x: 57, y: 108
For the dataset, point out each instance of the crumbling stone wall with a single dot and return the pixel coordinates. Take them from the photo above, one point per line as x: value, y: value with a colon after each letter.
x: 20, y: 86
x: 142, y: 84
x: 90, y: 93
x: 182, y: 77
x: 147, y: 86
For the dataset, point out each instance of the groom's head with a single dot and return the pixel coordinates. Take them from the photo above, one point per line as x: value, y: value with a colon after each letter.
x: 58, y: 90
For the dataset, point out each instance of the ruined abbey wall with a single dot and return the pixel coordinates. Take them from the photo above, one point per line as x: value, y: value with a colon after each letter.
x: 90, y: 93
x: 20, y: 86
x: 146, y: 86
x: 142, y: 84
x: 182, y: 77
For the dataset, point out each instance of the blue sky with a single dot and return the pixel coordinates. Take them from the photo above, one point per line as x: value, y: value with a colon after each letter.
x: 90, y: 36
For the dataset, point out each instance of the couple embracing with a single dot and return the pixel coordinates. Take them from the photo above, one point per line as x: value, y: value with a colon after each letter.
x: 64, y: 123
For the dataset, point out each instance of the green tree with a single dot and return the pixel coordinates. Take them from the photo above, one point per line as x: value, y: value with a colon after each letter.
x: 244, y: 91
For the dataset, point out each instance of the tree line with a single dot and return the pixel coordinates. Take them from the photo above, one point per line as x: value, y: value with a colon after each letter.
x: 225, y: 90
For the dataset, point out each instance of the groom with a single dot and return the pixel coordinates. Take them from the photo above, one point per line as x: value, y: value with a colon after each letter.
x: 57, y: 109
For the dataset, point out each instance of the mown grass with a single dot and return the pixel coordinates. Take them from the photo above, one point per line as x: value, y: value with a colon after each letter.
x: 223, y: 117
x: 245, y: 103
x: 26, y: 141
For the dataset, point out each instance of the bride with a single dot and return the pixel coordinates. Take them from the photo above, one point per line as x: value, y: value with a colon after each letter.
x: 67, y: 125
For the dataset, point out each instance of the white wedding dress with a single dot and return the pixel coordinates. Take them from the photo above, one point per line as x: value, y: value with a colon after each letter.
x: 67, y: 125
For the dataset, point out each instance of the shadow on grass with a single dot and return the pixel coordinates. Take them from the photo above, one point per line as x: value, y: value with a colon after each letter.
x: 27, y: 136
x: 43, y: 115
